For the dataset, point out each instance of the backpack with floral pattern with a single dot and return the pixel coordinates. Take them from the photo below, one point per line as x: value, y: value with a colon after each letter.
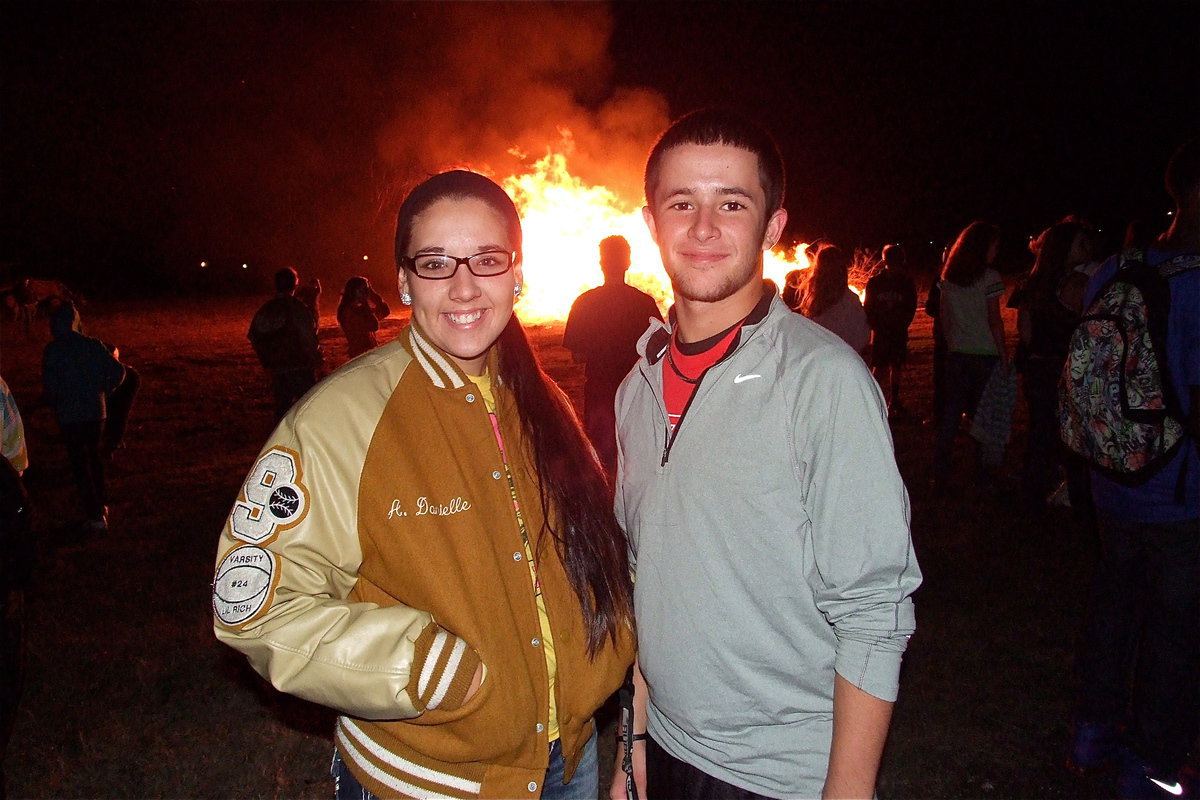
x: 1117, y: 408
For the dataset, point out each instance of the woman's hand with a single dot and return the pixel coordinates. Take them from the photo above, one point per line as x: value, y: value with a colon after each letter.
x: 476, y: 682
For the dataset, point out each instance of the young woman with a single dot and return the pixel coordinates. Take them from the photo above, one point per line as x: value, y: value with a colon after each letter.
x: 1046, y: 315
x: 358, y: 315
x: 969, y: 310
x: 427, y: 542
x: 830, y: 302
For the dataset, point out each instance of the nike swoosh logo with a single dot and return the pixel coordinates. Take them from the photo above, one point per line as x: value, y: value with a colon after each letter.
x: 750, y: 377
x: 1174, y: 788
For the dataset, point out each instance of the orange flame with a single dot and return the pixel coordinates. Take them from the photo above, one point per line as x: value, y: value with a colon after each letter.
x: 564, y: 220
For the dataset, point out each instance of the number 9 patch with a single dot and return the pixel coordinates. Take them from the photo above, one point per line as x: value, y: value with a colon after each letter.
x: 273, y: 498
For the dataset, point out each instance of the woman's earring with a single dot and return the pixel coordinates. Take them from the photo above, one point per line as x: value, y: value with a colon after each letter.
x: 406, y: 298
x: 517, y: 290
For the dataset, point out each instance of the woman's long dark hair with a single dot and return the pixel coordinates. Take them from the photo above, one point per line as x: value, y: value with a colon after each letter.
x: 828, y: 282
x: 1052, y: 249
x: 575, y: 495
x: 969, y: 256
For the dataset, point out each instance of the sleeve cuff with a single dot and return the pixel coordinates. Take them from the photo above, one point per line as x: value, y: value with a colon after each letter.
x: 874, y: 670
x: 443, y: 667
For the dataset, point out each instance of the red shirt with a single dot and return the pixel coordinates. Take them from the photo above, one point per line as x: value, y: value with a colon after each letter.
x: 685, y: 365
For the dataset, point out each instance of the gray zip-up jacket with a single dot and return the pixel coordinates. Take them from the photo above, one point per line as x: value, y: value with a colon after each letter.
x: 771, y: 541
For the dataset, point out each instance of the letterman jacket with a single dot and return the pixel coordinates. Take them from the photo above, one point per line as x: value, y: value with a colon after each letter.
x: 374, y: 558
x: 777, y: 507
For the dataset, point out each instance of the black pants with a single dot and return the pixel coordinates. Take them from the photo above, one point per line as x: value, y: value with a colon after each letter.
x: 1141, y: 649
x: 668, y: 777
x: 83, y: 449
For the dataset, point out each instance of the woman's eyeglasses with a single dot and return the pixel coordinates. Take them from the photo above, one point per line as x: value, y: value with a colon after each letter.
x: 439, y: 266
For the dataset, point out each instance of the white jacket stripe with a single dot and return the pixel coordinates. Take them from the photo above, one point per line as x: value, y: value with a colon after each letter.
x: 448, y: 674
x: 426, y: 353
x: 435, y: 652
x: 347, y: 729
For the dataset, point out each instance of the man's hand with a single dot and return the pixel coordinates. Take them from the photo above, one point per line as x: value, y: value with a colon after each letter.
x: 617, y: 790
x: 637, y: 723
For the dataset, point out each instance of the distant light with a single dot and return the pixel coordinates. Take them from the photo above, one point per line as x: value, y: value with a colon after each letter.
x: 365, y: 258
x: 245, y: 266
x: 1170, y: 213
x: 203, y: 264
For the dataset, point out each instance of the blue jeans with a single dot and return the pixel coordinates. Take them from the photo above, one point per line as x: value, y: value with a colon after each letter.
x: 584, y: 785
x: 1141, y: 648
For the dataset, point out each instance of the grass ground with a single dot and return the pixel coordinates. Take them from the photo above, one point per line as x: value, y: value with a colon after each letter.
x: 130, y: 696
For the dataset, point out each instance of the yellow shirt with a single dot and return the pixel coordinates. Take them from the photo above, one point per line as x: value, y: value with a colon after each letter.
x: 484, y: 384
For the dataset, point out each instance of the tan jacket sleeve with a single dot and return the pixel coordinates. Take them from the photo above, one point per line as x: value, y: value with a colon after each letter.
x: 287, y: 562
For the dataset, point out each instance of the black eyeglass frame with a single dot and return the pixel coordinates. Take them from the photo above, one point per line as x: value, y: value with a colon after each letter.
x: 410, y: 263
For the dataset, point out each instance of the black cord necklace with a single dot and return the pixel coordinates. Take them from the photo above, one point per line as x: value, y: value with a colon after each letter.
x: 677, y: 371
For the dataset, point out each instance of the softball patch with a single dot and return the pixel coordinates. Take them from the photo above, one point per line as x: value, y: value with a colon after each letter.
x: 273, y: 498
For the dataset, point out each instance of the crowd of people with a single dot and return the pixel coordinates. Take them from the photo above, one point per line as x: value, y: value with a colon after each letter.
x: 432, y: 543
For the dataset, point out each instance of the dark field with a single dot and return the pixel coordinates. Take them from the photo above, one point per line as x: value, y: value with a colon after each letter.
x: 130, y: 696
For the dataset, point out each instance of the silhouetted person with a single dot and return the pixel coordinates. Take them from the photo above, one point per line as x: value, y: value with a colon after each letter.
x: 1141, y: 656
x: 830, y: 302
x: 1046, y: 316
x: 602, y: 331
x: 890, y: 303
x: 310, y: 295
x: 284, y: 336
x: 359, y: 314
x: 78, y: 372
x: 969, y: 309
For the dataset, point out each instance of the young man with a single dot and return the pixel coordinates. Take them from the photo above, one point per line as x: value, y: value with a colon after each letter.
x: 767, y: 518
x: 1145, y: 604
x: 78, y: 374
x: 602, y: 333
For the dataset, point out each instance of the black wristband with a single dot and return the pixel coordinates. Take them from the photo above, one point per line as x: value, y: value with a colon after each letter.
x: 637, y: 737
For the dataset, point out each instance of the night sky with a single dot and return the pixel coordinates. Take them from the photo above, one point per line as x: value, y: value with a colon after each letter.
x: 138, y: 139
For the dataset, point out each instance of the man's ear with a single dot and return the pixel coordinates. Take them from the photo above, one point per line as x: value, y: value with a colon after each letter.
x: 775, y: 226
x: 648, y: 217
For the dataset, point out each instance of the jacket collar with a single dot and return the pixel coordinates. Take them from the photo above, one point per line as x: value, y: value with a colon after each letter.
x: 441, y: 369
x: 659, y: 336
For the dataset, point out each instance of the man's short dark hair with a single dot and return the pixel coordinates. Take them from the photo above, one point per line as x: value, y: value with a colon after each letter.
x: 286, y: 280
x: 893, y: 256
x: 614, y: 255
x: 719, y: 126
x: 1183, y: 171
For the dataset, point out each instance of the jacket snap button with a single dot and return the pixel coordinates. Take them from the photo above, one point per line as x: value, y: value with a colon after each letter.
x: 532, y: 786
x: 540, y: 727
x: 496, y: 475
x: 516, y: 556
x: 470, y: 398
x: 536, y: 641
